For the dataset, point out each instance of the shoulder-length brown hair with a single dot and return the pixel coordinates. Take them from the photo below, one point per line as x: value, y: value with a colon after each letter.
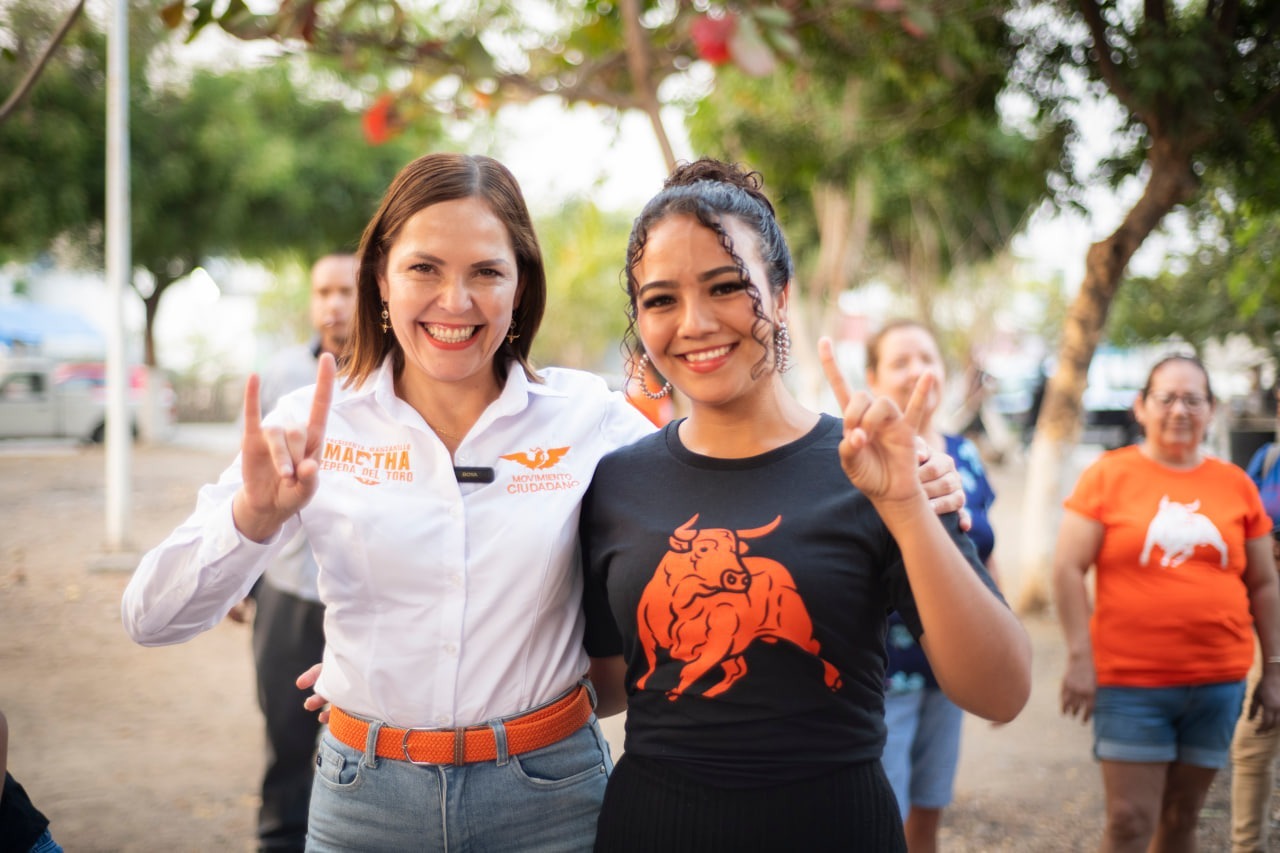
x: 432, y: 179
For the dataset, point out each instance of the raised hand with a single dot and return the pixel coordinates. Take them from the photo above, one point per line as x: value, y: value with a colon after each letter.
x: 878, y: 451
x: 280, y: 465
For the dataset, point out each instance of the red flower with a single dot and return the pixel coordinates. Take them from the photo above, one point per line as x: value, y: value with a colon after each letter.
x: 711, y: 37
x: 377, y: 120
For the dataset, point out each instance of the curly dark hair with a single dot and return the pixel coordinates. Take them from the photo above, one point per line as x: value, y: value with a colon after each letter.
x: 710, y: 190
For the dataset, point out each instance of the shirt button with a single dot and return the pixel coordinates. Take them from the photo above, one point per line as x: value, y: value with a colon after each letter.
x: 455, y: 580
x: 450, y: 649
x: 442, y: 720
x: 455, y: 511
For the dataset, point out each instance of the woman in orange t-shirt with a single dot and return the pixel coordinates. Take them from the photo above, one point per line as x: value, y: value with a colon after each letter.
x: 1184, y: 577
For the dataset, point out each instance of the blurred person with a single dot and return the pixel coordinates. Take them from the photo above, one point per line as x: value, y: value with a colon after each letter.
x: 757, y: 519
x: 1184, y: 577
x: 288, y: 618
x: 440, y: 488
x: 922, y: 751
x: 1253, y: 751
x: 23, y: 827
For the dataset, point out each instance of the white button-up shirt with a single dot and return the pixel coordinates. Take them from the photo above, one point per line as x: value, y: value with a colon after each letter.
x: 446, y: 603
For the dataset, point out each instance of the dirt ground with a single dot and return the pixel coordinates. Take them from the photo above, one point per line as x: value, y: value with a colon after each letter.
x: 133, y: 749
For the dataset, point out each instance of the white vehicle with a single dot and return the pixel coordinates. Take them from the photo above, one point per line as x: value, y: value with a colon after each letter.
x: 40, y: 398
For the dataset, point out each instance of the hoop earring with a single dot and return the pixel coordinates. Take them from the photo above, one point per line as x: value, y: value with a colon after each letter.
x: 386, y: 316
x: 644, y: 382
x: 781, y: 348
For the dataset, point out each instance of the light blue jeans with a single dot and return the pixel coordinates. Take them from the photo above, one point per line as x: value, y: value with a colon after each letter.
x: 545, y: 801
x: 923, y: 747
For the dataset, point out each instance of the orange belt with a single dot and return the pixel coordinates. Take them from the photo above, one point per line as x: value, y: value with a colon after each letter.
x: 525, y: 733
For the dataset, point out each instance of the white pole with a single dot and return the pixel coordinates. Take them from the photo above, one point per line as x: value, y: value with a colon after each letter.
x: 119, y: 262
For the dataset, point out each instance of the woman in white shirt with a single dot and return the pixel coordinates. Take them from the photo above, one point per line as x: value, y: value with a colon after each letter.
x: 440, y: 488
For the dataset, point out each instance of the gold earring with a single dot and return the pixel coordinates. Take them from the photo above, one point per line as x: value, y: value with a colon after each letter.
x: 512, y: 337
x: 386, y: 316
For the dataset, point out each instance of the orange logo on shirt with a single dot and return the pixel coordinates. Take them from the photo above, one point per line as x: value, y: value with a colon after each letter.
x: 537, y: 457
x: 371, y: 466
x: 707, y: 603
x: 539, y: 460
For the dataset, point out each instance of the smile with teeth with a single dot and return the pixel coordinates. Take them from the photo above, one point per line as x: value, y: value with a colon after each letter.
x: 449, y: 334
x: 707, y: 354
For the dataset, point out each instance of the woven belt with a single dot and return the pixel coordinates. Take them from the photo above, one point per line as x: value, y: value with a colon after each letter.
x: 525, y: 733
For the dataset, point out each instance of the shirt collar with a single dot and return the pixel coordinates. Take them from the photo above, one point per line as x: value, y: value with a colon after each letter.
x: 514, y: 398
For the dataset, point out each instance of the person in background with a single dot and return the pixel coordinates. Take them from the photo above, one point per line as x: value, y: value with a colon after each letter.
x: 1185, y: 576
x: 922, y: 751
x: 1253, y: 751
x: 23, y: 828
x: 288, y: 618
x: 741, y: 561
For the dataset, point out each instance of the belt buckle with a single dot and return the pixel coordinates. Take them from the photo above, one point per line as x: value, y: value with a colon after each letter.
x: 404, y: 747
x: 459, y: 746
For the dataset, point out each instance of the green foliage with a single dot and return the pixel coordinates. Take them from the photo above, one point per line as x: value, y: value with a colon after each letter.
x: 916, y: 121
x: 1194, y: 80
x: 583, y: 249
x: 1227, y: 287
x: 250, y: 163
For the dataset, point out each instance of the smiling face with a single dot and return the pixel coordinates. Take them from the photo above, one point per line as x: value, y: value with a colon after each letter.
x: 696, y: 316
x: 1176, y: 408
x: 904, y: 354
x: 451, y: 285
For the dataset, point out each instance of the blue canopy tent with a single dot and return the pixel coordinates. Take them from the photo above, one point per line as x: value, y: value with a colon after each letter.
x: 46, y: 330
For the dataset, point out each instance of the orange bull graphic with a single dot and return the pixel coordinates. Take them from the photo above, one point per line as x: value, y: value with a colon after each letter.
x: 707, y: 603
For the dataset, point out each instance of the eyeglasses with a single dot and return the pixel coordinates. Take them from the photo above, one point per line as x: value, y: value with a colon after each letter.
x: 1193, y: 402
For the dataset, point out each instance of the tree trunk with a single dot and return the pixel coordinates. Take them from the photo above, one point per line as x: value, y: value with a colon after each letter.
x: 1058, y: 425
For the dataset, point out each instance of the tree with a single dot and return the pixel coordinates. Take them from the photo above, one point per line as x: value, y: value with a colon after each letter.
x: 896, y: 164
x: 1227, y: 287
x: 248, y: 163
x: 1199, y: 87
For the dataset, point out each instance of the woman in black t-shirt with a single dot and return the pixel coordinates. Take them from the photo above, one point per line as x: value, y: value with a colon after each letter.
x: 741, y: 562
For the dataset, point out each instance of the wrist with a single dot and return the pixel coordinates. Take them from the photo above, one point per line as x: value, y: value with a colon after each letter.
x: 252, y: 525
x: 905, y: 510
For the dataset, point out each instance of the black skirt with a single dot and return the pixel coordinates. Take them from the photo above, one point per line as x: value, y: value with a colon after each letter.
x: 650, y: 806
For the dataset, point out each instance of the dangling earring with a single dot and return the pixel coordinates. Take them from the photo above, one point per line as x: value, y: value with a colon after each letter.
x: 644, y: 383
x: 512, y: 337
x: 782, y: 348
x: 386, y: 316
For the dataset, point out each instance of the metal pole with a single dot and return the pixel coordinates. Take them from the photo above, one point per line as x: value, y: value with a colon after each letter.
x: 119, y: 436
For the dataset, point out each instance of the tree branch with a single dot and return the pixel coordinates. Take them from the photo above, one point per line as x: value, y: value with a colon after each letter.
x: 29, y: 81
x: 639, y: 64
x: 1102, y: 49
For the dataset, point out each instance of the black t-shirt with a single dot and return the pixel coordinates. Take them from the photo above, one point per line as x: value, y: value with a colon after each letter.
x: 749, y: 597
x: 21, y: 823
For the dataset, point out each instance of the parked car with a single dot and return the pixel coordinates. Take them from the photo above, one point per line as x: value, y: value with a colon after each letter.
x: 41, y: 398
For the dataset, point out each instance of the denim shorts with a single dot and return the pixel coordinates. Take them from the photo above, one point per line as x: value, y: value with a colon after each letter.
x: 1158, y: 725
x: 923, y: 747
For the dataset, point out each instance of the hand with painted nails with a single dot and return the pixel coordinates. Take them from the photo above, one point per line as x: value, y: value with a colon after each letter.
x: 280, y: 465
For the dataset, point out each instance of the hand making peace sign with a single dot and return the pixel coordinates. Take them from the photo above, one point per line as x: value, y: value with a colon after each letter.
x: 280, y: 465
x: 880, y: 451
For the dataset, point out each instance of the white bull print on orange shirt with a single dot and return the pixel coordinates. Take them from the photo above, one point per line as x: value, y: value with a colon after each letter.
x: 1178, y: 530
x: 707, y: 603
